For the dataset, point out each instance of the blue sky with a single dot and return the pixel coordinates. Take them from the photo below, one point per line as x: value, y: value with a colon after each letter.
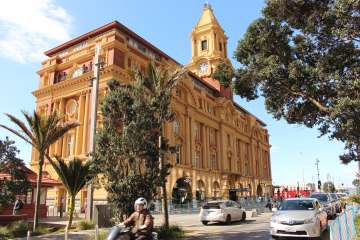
x: 28, y: 28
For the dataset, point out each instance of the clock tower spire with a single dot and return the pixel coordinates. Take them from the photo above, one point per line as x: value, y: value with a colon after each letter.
x: 209, y: 44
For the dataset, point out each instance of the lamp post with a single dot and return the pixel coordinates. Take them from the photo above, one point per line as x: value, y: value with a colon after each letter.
x: 94, y: 98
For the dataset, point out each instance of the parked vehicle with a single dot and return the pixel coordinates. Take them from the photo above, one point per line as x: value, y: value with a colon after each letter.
x: 224, y: 211
x: 327, y: 202
x: 338, y: 207
x: 298, y: 217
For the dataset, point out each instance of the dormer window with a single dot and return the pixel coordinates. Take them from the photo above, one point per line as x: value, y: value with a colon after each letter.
x: 204, y: 45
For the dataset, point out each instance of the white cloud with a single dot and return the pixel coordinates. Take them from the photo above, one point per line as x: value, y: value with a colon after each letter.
x: 30, y: 27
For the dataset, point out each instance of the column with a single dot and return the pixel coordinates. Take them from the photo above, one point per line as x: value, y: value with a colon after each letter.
x: 86, y: 124
x: 191, y: 141
x: 60, y: 141
x: 219, y: 150
x: 206, y: 148
x: 187, y: 140
x: 79, y: 130
x: 203, y: 145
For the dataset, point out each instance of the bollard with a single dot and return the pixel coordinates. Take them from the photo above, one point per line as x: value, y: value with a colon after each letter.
x: 28, y: 236
x: 66, y: 233
x: 96, y: 232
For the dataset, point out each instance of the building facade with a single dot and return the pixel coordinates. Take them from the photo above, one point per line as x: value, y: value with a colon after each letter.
x: 223, y: 150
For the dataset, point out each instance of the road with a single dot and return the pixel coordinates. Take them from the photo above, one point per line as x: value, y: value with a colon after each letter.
x: 256, y: 228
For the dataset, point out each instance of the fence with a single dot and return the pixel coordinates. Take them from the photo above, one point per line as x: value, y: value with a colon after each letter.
x: 343, y: 227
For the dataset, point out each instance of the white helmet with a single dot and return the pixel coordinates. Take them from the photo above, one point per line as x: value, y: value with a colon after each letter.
x: 141, y: 200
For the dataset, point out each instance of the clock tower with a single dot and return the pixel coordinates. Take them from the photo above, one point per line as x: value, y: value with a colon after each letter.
x: 209, y: 44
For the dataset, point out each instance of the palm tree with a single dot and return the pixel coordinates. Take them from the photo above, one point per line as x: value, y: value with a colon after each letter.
x: 74, y: 175
x: 40, y: 131
x: 160, y: 82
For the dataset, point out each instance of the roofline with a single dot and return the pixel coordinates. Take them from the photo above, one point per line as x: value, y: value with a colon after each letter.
x: 115, y: 24
x: 243, y: 109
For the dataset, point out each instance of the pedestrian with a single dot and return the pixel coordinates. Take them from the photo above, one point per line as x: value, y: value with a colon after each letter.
x: 62, y: 204
x: 17, y: 206
x: 269, y: 205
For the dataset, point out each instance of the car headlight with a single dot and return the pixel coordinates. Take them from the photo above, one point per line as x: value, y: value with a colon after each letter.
x: 309, y: 220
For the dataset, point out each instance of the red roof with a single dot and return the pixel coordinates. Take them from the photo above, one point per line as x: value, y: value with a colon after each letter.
x: 32, y: 178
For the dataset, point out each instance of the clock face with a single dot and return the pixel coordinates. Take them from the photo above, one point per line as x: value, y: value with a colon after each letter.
x: 203, y: 67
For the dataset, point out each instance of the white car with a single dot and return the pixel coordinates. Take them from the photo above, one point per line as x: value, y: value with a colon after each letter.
x: 298, y: 217
x: 224, y: 211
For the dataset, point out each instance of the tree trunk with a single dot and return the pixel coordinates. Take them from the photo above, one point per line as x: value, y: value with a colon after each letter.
x: 163, y: 187
x: 71, y: 210
x: 38, y: 191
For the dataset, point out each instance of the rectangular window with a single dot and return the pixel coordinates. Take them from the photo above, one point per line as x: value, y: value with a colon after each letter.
x: 229, y: 140
x: 204, y: 45
x: 220, y: 46
x: 69, y: 145
x: 178, y: 154
x: 213, y: 164
x: 198, y: 158
x: 197, y: 131
x: 212, y: 136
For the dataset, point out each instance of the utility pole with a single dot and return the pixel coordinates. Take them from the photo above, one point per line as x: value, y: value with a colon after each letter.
x: 94, y: 97
x: 318, y: 173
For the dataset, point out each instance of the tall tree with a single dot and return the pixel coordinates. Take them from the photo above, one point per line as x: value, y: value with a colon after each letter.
x: 224, y: 73
x: 303, y: 57
x: 40, y: 131
x: 16, y: 182
x: 329, y: 187
x: 128, y: 151
x: 74, y: 175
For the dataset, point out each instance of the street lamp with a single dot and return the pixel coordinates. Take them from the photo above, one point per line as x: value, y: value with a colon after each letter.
x: 94, y: 99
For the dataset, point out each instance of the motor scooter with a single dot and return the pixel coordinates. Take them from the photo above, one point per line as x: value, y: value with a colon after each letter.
x: 124, y: 233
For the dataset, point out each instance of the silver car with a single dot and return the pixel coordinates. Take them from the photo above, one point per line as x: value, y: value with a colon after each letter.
x: 298, y: 217
x: 327, y: 203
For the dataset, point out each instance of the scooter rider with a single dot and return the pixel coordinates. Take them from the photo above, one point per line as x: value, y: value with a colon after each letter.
x: 141, y: 221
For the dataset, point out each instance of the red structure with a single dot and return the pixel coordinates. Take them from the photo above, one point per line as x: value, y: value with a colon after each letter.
x: 27, y: 212
x: 284, y: 192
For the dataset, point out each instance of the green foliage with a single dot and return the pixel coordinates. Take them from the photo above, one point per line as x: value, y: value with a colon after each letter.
x: 40, y: 131
x: 224, y: 73
x: 74, y: 175
x: 85, y: 225
x: 19, y: 228
x: 173, y: 232
x: 303, y: 57
x: 356, y: 182
x: 16, y: 183
x: 5, y: 233
x: 357, y: 226
x: 127, y: 152
x: 329, y: 187
x: 355, y: 199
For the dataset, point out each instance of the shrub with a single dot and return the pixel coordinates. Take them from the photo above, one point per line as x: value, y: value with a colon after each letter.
x: 85, y: 225
x: 102, y: 235
x: 19, y: 228
x: 4, y: 233
x: 41, y: 229
x: 355, y: 199
x: 172, y: 233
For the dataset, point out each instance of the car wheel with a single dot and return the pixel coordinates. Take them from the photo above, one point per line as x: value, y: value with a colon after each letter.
x: 228, y: 219
x: 205, y: 222
x: 243, y: 217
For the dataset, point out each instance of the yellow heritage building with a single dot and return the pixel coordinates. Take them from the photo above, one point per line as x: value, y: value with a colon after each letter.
x: 223, y: 150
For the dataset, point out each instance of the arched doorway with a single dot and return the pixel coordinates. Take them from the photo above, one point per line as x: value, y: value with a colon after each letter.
x: 181, y: 193
x: 249, y: 190
x: 200, y: 191
x: 216, y: 190
x: 259, y: 190
x: 232, y: 192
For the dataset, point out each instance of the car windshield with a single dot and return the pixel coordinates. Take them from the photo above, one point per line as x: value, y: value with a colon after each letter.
x: 212, y: 205
x: 289, y: 205
x: 320, y: 197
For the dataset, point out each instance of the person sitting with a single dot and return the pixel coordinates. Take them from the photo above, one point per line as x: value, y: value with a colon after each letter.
x: 141, y: 221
